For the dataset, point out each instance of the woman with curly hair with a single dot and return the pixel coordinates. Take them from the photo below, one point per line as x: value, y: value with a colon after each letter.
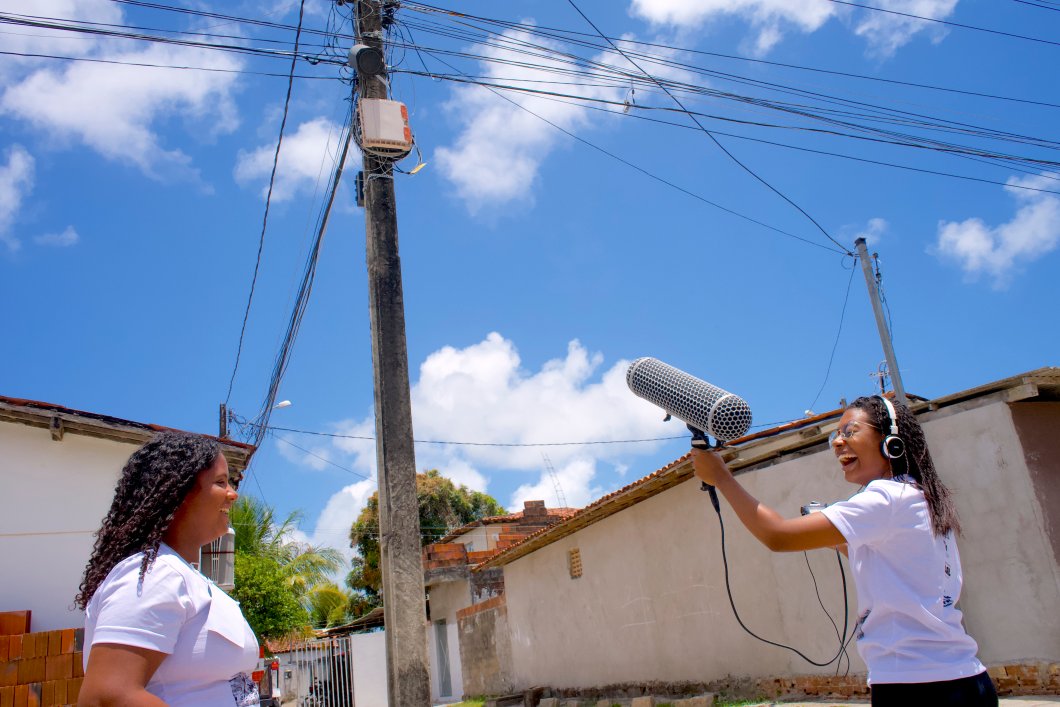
x: 899, y: 533
x: 157, y: 632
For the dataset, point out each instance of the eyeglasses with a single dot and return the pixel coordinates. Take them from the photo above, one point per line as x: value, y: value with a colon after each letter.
x: 846, y: 431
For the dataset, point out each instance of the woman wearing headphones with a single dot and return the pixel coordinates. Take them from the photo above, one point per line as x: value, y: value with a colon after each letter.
x: 899, y: 533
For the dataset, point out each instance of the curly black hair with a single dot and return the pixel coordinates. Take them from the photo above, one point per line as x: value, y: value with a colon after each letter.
x: 916, y: 462
x: 153, y: 484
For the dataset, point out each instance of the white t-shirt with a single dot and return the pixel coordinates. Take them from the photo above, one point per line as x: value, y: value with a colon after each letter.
x: 908, y: 583
x: 210, y: 649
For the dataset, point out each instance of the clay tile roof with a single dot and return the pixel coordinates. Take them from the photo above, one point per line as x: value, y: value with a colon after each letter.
x: 756, y: 448
x: 62, y: 420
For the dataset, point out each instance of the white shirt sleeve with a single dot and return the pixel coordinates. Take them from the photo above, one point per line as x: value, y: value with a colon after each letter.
x: 148, y: 615
x: 865, y: 518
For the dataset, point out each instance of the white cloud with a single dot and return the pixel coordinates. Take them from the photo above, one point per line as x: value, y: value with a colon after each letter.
x: 65, y: 239
x: 886, y: 32
x: 115, y: 108
x: 770, y: 19
x: 873, y: 230
x: 16, y: 181
x: 496, y: 157
x: 997, y: 251
x: 481, y: 393
x: 332, y: 528
x: 40, y: 40
x: 306, y: 157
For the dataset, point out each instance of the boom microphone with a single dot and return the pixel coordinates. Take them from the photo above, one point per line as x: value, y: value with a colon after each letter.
x: 699, y: 404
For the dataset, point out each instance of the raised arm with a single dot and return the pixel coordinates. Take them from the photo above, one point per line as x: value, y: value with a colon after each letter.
x: 777, y: 533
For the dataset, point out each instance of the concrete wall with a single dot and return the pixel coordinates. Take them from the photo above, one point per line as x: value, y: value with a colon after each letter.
x: 486, y: 650
x: 55, y: 494
x: 651, y: 603
x: 446, y: 600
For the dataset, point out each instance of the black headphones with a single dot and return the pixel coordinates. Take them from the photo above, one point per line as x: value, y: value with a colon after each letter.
x: 893, y: 446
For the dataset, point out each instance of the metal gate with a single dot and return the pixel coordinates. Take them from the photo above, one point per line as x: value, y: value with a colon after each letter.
x: 319, y: 673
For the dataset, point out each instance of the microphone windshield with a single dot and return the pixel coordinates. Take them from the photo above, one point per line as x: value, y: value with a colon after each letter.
x: 717, y: 412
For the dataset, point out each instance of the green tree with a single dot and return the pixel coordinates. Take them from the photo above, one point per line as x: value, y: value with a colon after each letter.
x: 269, y: 605
x: 443, y: 507
x: 329, y: 605
x: 275, y: 575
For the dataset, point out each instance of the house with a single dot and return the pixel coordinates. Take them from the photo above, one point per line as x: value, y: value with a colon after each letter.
x: 630, y: 593
x: 58, y: 470
x: 452, y: 586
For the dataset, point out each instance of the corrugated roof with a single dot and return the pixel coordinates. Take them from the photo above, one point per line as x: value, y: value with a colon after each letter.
x: 760, y: 447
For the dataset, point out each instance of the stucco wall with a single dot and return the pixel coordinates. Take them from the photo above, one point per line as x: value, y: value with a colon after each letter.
x: 55, y: 494
x: 651, y: 604
x: 446, y: 600
x: 369, y: 669
x: 486, y: 652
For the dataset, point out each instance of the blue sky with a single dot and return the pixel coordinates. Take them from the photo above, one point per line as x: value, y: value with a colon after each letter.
x: 535, y: 266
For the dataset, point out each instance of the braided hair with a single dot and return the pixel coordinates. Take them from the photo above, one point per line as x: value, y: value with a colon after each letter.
x: 153, y: 484
x: 916, y: 462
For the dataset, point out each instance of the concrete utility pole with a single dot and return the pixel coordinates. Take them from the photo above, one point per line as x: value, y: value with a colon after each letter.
x: 881, y: 324
x: 408, y: 678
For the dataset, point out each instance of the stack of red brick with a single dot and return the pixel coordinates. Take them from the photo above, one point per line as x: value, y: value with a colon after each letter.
x: 441, y: 555
x: 38, y: 669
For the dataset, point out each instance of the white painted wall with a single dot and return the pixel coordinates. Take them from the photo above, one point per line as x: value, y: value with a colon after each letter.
x: 651, y: 604
x: 446, y: 600
x: 369, y: 669
x: 54, y: 496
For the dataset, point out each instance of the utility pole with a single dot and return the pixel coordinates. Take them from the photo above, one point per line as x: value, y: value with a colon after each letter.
x: 408, y: 678
x: 881, y: 323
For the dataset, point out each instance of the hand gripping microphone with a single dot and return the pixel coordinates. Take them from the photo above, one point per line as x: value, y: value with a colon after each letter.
x: 706, y: 409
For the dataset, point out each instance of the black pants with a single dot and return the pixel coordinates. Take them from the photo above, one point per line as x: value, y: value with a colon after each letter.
x: 975, y: 691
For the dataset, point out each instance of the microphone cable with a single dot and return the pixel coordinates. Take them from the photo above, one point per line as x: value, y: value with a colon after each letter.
x: 728, y: 589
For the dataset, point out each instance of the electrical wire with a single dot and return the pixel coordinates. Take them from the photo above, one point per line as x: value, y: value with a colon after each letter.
x: 652, y: 175
x: 839, y: 332
x: 268, y: 201
x: 948, y: 23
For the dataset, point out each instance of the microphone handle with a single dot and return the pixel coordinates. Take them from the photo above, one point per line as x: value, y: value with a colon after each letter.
x: 701, y: 441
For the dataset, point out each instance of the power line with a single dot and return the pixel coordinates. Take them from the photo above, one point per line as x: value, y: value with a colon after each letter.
x: 268, y: 201
x: 369, y: 438
x: 650, y: 174
x: 948, y: 23
x: 839, y: 331
x: 707, y: 132
x: 143, y: 64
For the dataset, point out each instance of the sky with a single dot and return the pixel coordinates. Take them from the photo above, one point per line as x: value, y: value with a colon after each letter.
x: 548, y: 241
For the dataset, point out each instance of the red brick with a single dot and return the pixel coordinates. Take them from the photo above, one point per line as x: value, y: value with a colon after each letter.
x: 66, y: 641
x: 47, y: 694
x: 73, y: 687
x: 78, y: 664
x: 55, y: 642
x: 33, y: 698
x: 14, y: 622
x: 42, y: 644
x: 14, y: 647
x: 31, y: 670
x: 7, y: 696
x: 9, y: 673
x: 59, y: 667
x: 60, y: 692
x: 4, y: 643
x: 21, y: 695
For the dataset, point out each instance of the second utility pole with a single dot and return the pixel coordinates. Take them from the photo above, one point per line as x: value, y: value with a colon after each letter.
x: 408, y: 681
x: 881, y: 323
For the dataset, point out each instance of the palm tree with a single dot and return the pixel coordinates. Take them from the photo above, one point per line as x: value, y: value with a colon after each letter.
x: 329, y: 605
x: 303, y: 566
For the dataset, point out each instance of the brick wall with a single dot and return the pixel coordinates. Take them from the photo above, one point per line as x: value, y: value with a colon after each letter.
x: 39, y: 669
